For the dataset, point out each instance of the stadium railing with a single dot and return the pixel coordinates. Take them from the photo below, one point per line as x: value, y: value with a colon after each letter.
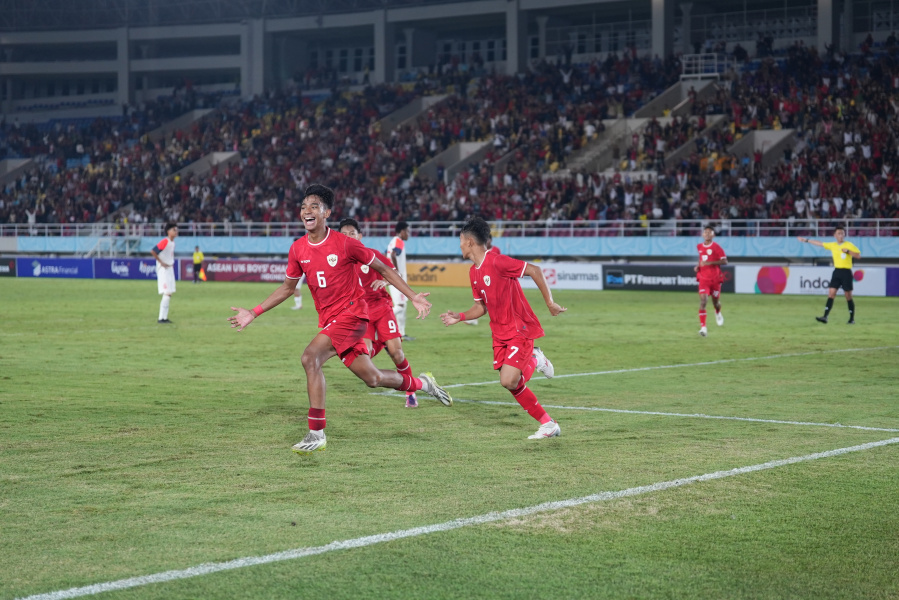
x: 633, y: 228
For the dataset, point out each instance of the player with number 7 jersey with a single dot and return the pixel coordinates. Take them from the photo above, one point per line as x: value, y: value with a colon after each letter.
x: 329, y: 260
x: 494, y: 284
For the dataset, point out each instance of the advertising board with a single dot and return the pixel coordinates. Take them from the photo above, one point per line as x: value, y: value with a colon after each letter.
x: 70, y: 268
x: 674, y: 278
x: 238, y: 270
x: 125, y: 268
x: 776, y: 279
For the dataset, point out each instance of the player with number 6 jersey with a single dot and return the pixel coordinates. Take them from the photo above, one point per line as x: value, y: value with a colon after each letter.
x: 494, y: 284
x: 329, y: 260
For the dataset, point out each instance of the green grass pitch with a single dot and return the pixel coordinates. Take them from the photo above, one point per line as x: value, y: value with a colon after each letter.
x: 128, y: 448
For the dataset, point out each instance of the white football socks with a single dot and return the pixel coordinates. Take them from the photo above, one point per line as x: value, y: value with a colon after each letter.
x: 164, y: 307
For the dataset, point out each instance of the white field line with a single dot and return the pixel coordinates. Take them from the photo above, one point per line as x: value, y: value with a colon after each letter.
x: 699, y: 364
x: 694, y: 416
x: 361, y: 542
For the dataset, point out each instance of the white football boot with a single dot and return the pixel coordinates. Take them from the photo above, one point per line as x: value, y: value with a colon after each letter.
x: 429, y: 386
x: 719, y: 319
x: 543, y: 364
x: 313, y: 442
x: 703, y: 331
x: 547, y: 430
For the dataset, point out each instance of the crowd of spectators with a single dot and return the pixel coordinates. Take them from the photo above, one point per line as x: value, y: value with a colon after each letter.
x: 843, y: 166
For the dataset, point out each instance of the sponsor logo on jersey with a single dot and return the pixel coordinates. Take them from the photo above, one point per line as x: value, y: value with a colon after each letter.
x: 332, y: 260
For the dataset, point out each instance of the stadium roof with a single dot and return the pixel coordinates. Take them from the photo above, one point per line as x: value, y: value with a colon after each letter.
x: 30, y: 15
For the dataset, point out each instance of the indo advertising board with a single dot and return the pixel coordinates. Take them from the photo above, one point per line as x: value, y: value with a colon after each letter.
x: 569, y: 276
x: 870, y: 281
x: 71, y: 268
x: 437, y: 274
x: 125, y: 268
x: 674, y: 278
x: 237, y: 270
x: 7, y: 267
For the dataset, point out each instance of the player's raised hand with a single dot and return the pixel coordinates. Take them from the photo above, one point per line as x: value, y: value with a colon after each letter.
x: 555, y: 309
x: 243, y: 318
x: 378, y: 284
x: 450, y: 318
x: 421, y: 304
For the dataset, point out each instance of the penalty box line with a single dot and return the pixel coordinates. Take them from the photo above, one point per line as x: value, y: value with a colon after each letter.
x: 492, y: 517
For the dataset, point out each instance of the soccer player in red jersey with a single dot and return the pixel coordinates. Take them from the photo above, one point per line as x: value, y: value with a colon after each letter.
x: 330, y: 260
x: 708, y: 273
x: 494, y: 282
x: 382, y: 326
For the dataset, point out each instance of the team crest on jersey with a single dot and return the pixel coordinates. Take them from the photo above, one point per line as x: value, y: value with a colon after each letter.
x: 487, y: 280
x: 709, y: 251
x: 332, y: 259
x: 365, y: 268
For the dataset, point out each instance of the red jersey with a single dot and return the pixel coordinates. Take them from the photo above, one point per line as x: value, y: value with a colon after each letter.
x: 367, y: 276
x: 330, y: 268
x: 495, y: 283
x: 709, y: 253
x: 494, y: 249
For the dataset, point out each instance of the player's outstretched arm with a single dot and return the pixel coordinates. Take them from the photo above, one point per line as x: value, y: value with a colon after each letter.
x: 536, y: 273
x: 244, y: 317
x: 419, y: 300
x: 475, y: 312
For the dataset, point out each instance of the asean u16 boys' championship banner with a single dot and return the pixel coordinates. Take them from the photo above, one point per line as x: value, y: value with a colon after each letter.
x: 237, y: 270
x: 758, y: 279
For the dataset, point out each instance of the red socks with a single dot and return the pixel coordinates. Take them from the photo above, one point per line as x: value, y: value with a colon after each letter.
x: 376, y: 346
x: 529, y: 368
x: 702, y: 318
x: 528, y: 401
x: 316, y: 419
x: 410, y: 384
x: 403, y: 368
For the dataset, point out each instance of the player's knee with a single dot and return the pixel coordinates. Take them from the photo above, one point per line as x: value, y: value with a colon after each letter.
x: 310, y: 361
x: 372, y: 380
x: 509, y: 383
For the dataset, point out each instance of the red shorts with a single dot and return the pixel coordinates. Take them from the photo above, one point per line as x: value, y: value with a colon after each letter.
x: 346, y: 333
x: 515, y: 353
x: 382, y: 322
x: 710, y: 287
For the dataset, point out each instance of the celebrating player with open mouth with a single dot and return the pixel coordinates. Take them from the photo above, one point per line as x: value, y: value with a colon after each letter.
x: 330, y: 261
x: 494, y: 282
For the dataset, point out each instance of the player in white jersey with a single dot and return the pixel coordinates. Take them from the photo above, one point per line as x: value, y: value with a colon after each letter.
x: 164, y: 253
x: 396, y: 250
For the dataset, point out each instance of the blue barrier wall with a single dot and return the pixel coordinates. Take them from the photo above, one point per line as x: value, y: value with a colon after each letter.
x: 658, y: 247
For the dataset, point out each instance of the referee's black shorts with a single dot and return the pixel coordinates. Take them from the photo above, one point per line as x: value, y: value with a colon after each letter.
x: 841, y: 278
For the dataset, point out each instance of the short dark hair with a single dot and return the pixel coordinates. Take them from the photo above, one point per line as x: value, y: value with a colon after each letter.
x: 170, y: 225
x: 709, y: 226
x: 324, y: 193
x: 400, y: 226
x: 838, y: 228
x: 349, y: 222
x: 477, y: 228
